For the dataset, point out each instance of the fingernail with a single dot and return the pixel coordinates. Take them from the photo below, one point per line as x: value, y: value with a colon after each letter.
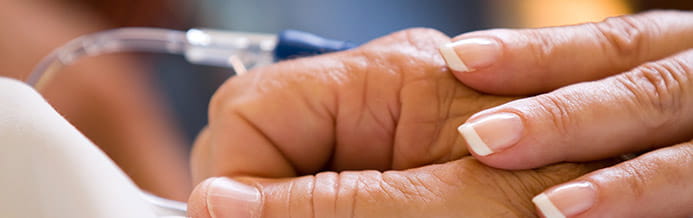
x: 566, y: 200
x: 470, y: 54
x: 492, y: 133
x: 229, y: 198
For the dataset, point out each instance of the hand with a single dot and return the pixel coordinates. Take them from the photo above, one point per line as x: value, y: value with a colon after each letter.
x: 649, y: 107
x: 286, y: 134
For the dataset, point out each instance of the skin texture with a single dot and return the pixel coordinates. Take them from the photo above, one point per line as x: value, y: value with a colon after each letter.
x: 330, y: 136
x: 393, y: 102
x: 540, y: 60
x: 642, y: 102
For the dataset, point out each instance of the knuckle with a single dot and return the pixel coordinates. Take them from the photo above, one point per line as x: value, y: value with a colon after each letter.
x: 541, y: 47
x: 557, y: 107
x: 626, y: 35
x: 635, y: 177
x: 657, y: 90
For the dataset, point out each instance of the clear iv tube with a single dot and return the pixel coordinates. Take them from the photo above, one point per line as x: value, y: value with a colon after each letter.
x: 118, y: 40
x: 199, y: 46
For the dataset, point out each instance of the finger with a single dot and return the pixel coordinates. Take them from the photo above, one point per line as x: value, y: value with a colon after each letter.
x: 533, y: 61
x: 645, y: 108
x: 459, y: 187
x: 390, y: 104
x: 657, y: 184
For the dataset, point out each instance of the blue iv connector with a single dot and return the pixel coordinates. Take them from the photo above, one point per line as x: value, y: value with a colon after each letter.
x: 293, y: 44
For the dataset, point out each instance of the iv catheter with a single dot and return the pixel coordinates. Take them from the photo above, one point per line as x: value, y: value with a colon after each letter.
x: 237, y: 50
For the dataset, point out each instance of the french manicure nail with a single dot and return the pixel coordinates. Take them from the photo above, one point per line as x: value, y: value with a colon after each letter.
x: 566, y: 200
x: 492, y: 133
x: 229, y: 198
x: 470, y: 54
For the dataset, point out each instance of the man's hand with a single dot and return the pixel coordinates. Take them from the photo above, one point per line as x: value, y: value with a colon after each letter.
x: 284, y: 135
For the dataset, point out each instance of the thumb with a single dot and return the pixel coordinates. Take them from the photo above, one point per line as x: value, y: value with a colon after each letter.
x: 531, y: 61
x: 464, y: 187
x: 328, y: 194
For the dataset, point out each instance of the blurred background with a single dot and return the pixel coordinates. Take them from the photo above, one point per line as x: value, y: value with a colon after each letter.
x: 145, y: 110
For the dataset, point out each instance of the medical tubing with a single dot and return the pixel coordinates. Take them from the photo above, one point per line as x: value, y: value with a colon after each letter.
x: 294, y: 44
x: 199, y: 46
x: 133, y: 39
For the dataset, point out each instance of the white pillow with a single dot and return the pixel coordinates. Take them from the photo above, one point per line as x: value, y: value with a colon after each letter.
x: 49, y: 169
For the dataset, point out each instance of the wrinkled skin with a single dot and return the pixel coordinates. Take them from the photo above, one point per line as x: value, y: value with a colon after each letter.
x: 391, y: 105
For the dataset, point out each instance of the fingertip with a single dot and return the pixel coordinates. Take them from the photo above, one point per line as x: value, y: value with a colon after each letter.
x: 468, y: 55
x: 452, y: 59
x: 197, y: 202
x: 545, y: 207
x: 480, y: 60
x: 222, y: 197
x: 492, y: 133
x: 475, y: 144
x: 566, y: 200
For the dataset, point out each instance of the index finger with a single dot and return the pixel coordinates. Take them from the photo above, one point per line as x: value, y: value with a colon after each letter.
x: 531, y: 61
x: 645, y: 108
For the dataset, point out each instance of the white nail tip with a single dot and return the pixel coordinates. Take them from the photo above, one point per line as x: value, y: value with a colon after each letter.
x: 454, y: 61
x: 547, y: 207
x: 474, y: 141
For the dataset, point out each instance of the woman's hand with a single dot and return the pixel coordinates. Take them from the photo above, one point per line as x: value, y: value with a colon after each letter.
x: 646, y: 108
x: 286, y: 133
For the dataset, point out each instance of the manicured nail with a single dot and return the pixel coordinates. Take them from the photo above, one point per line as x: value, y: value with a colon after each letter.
x: 492, y: 133
x: 470, y: 54
x: 229, y: 198
x: 566, y: 200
